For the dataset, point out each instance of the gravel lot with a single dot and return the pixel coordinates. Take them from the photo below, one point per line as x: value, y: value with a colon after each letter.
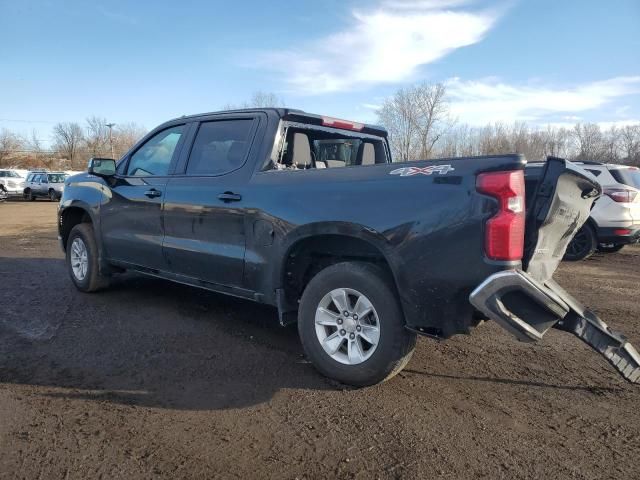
x: 151, y: 380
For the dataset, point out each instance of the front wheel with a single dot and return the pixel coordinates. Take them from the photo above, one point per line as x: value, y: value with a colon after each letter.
x: 583, y: 245
x: 351, y: 325
x: 82, y: 259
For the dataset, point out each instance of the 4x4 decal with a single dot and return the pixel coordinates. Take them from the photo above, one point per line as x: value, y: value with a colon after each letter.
x: 410, y: 171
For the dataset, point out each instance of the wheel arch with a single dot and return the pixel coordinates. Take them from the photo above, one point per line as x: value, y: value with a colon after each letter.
x: 315, y: 247
x: 71, y: 216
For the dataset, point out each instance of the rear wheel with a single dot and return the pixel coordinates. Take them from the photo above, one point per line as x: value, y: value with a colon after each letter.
x: 53, y: 196
x: 82, y: 259
x: 351, y: 325
x: 583, y: 245
x: 610, y: 247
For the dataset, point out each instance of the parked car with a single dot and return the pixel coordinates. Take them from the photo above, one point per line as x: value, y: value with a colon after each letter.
x: 45, y: 185
x: 363, y: 253
x: 11, y: 182
x: 615, y: 217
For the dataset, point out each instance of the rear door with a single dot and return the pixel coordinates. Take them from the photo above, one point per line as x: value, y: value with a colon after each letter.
x: 204, y: 214
x: 41, y: 184
x: 131, y: 215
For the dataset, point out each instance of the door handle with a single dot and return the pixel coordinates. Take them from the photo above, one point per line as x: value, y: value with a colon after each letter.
x: 153, y: 193
x: 230, y: 197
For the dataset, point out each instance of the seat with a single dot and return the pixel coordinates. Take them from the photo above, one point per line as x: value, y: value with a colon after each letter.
x: 301, y: 156
x: 366, y: 154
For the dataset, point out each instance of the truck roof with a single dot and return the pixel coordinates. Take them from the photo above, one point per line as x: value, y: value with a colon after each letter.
x: 297, y: 115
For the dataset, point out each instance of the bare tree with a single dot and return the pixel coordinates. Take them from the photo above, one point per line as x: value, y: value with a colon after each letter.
x: 630, y: 144
x: 397, y: 114
x: 589, y: 141
x: 9, y: 144
x: 68, y: 138
x: 416, y: 118
x: 259, y: 99
x: 97, y: 136
x: 432, y: 115
x: 125, y: 136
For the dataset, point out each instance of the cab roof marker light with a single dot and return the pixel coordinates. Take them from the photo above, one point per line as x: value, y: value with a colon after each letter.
x: 343, y: 124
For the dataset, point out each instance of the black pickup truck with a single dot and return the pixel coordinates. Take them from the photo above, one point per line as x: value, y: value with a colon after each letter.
x: 311, y: 215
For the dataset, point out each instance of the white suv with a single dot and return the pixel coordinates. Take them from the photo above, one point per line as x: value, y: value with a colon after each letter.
x: 11, y: 182
x: 615, y: 218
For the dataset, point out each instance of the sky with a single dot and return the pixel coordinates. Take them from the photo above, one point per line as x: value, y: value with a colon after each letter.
x: 541, y: 61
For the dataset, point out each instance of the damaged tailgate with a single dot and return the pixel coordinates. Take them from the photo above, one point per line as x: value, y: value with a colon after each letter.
x: 528, y: 302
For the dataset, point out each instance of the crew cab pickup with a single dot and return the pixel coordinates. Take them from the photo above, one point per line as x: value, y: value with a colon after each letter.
x: 310, y: 214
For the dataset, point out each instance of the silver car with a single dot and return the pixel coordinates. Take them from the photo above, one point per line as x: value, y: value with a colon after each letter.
x: 11, y: 183
x: 44, y: 184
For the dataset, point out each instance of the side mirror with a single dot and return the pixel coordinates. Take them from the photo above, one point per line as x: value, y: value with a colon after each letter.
x: 103, y: 167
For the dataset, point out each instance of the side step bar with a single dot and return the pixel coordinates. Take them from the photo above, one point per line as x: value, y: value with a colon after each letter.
x: 510, y: 296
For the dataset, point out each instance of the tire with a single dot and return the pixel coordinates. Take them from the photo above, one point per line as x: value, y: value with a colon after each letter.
x: 608, y: 248
x: 53, y: 196
x: 395, y: 344
x: 583, y: 245
x: 28, y: 195
x: 91, y: 281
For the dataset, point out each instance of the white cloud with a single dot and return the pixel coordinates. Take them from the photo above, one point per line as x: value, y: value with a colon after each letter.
x: 383, y: 45
x: 484, y: 101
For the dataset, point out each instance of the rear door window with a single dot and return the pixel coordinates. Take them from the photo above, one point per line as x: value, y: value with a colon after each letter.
x: 220, y: 147
x: 627, y: 176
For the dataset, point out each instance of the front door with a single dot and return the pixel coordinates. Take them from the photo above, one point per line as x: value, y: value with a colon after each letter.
x: 204, y: 211
x: 131, y: 216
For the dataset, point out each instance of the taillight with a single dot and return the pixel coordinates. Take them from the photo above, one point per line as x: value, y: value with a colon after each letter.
x: 621, y: 195
x: 504, y: 239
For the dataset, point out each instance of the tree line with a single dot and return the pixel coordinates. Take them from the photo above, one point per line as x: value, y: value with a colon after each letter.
x: 418, y: 119
x: 72, y: 144
x: 421, y: 126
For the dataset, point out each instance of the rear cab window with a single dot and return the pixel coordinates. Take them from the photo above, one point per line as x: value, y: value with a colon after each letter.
x: 303, y: 147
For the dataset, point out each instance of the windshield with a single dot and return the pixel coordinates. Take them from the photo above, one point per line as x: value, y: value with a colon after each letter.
x: 628, y: 176
x: 13, y: 174
x: 56, y: 178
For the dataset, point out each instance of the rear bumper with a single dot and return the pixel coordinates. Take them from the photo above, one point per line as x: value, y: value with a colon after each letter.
x: 528, y: 309
x: 616, y: 236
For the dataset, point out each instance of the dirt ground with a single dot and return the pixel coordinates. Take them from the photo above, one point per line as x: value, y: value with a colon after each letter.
x: 155, y: 380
